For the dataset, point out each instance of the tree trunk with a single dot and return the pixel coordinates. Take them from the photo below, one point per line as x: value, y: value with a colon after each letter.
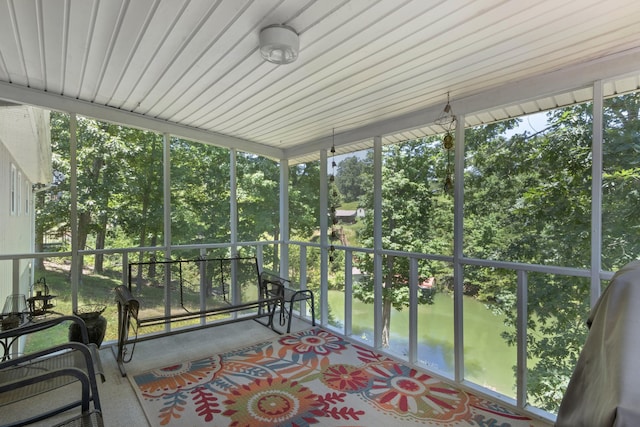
x: 153, y: 267
x: 276, y: 262
x: 84, y: 220
x: 386, y: 322
x: 386, y: 305
x: 142, y: 236
x: 98, y: 264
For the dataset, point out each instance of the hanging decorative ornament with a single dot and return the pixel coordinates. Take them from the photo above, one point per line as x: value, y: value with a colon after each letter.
x: 446, y: 119
x: 447, y: 141
x: 448, y: 122
x: 448, y: 181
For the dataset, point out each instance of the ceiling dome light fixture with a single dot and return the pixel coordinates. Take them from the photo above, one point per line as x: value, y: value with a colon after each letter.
x: 279, y: 44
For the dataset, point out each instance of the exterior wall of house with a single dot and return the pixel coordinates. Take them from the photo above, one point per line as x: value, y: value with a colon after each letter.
x: 23, y: 133
x: 16, y: 218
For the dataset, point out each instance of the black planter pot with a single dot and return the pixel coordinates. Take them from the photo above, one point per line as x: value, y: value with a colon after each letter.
x: 96, y: 326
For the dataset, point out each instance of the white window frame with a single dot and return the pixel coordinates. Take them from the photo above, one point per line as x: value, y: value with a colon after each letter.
x: 27, y: 196
x: 12, y: 189
x: 18, y: 187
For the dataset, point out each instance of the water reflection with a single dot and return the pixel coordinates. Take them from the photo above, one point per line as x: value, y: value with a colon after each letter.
x: 488, y: 359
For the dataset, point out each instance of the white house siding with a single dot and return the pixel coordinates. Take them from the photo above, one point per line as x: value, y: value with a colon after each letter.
x: 24, y: 159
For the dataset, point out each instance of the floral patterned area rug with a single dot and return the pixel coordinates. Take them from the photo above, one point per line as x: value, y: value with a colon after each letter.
x: 312, y: 377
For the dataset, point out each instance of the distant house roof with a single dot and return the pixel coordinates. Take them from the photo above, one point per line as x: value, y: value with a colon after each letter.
x: 343, y: 213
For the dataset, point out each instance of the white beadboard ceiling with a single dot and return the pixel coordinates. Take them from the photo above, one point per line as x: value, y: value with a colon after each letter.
x: 366, y: 67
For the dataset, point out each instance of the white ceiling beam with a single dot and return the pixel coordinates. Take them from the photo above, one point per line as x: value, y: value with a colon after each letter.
x: 560, y: 81
x: 24, y: 95
x: 564, y: 80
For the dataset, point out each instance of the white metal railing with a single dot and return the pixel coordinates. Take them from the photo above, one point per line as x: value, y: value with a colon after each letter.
x: 522, y: 271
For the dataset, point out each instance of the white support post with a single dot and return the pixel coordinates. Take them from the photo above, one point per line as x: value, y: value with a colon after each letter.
x: 233, y: 200
x: 324, y: 246
x: 596, y: 193
x: 76, y: 268
x: 125, y: 269
x: 32, y: 245
x: 202, y: 269
x: 413, y: 310
x: 458, y: 270
x: 15, y: 276
x: 284, y: 218
x: 166, y: 191
x: 377, y: 242
x: 303, y: 278
x: 233, y: 219
x: 348, y: 292
x: 260, y: 254
x: 521, y: 322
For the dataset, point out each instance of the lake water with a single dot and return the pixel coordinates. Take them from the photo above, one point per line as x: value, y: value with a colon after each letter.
x: 488, y: 360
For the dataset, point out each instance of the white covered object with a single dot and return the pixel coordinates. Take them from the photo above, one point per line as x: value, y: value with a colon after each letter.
x: 604, y: 389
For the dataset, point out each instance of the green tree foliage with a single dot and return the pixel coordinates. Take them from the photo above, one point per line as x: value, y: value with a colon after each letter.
x: 137, y: 203
x: 120, y: 190
x: 52, y: 206
x: 409, y: 194
x: 349, y: 181
x: 304, y: 203
x: 621, y: 181
x: 258, y: 198
x: 113, y: 173
x: 527, y: 198
x: 200, y: 193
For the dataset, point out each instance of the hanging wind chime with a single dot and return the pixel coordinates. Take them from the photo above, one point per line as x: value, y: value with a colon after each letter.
x: 334, y: 197
x: 448, y: 122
